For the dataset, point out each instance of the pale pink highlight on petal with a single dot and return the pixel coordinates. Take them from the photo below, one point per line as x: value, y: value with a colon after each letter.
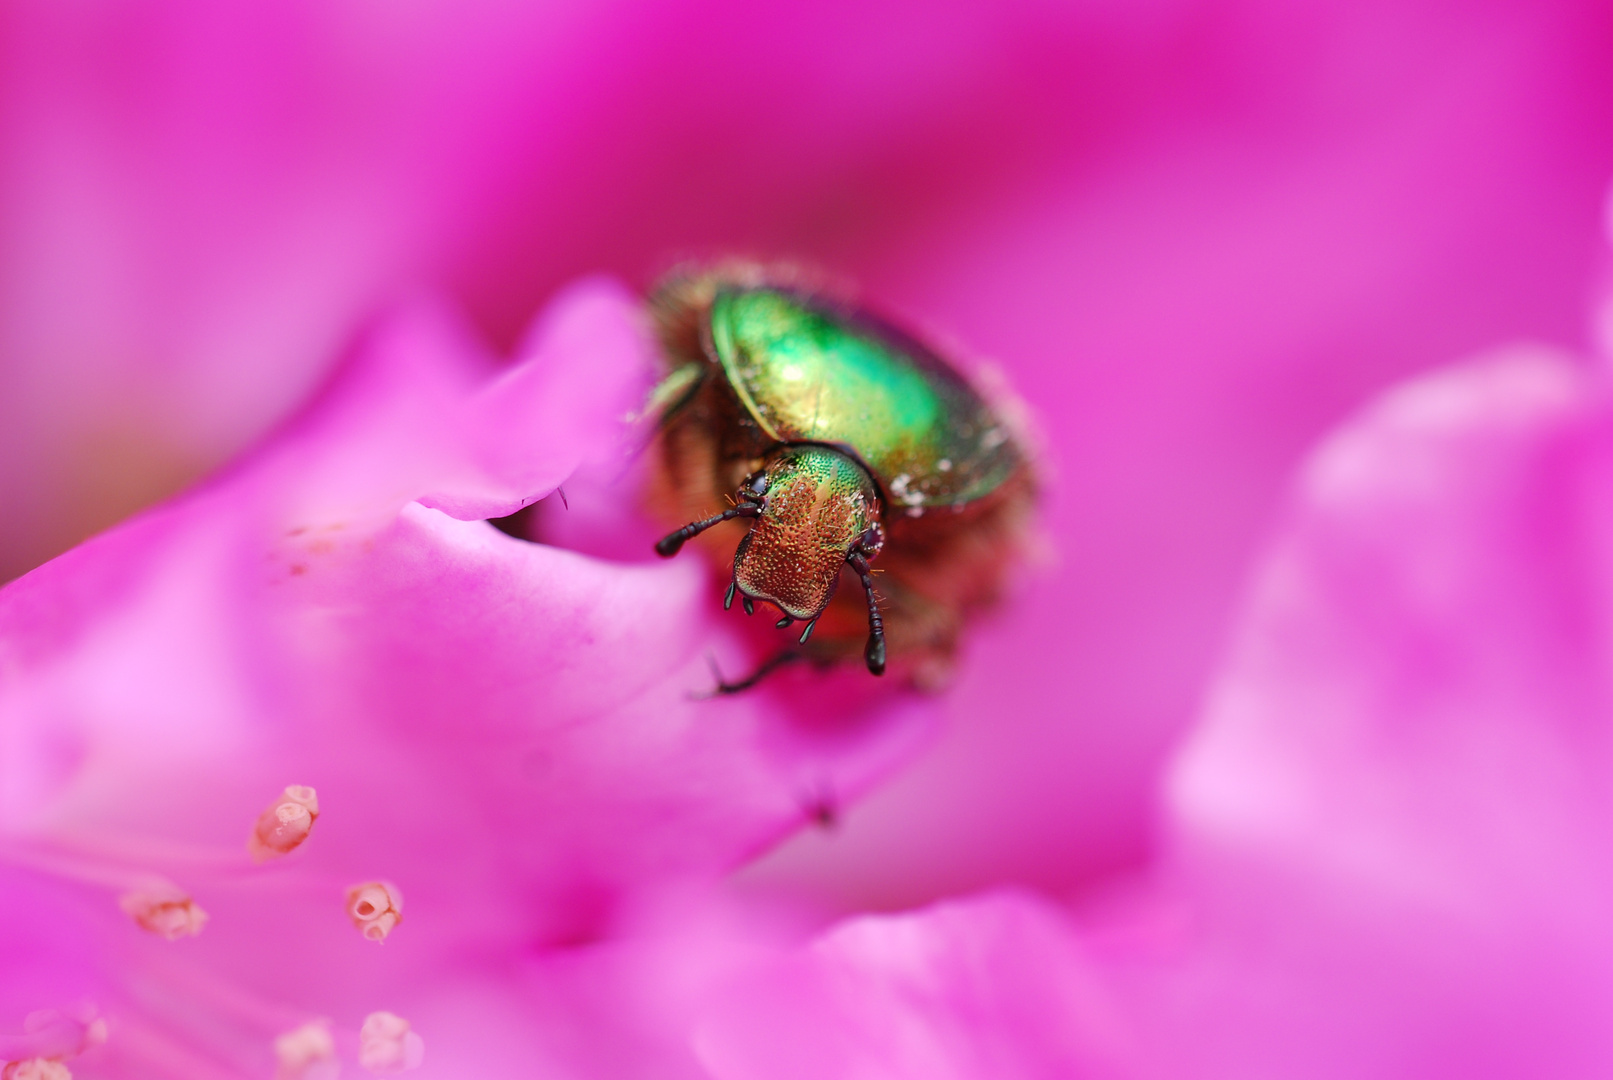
x: 36, y: 1069
x: 991, y: 987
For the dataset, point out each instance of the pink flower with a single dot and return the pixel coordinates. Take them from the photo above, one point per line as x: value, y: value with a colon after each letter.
x: 1193, y: 235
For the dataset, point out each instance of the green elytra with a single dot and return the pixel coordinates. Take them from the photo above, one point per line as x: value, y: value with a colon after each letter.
x: 809, y: 375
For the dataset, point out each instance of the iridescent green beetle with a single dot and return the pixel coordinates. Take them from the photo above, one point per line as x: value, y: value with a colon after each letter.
x: 842, y: 440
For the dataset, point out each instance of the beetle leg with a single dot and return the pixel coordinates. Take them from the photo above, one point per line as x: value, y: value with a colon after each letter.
x: 767, y: 668
x: 669, y: 544
x: 874, y: 654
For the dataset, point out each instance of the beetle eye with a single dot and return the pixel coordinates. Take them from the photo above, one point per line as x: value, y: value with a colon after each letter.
x: 872, y: 540
x: 755, y: 484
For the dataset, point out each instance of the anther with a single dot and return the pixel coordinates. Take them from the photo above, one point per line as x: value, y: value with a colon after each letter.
x: 728, y: 598
x: 160, y: 907
x: 808, y: 631
x: 375, y: 908
x: 386, y: 1045
x: 285, y: 824
x: 750, y: 608
x: 782, y: 623
x: 307, y: 1053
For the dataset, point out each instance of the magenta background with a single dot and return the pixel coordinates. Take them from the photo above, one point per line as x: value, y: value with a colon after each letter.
x: 1194, y: 235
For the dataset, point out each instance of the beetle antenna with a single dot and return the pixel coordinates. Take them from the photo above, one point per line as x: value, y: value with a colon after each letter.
x: 874, y: 654
x: 669, y: 544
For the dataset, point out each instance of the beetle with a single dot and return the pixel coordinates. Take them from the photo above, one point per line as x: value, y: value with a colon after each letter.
x: 837, y: 440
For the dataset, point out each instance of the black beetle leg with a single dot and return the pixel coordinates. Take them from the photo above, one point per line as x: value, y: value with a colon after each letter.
x: 874, y: 654
x: 767, y: 668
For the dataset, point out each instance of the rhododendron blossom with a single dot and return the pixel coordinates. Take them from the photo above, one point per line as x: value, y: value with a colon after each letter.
x: 400, y: 633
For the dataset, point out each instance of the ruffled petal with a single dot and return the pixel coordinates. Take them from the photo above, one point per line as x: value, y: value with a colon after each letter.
x: 514, y: 734
x: 992, y: 987
x: 1394, y: 815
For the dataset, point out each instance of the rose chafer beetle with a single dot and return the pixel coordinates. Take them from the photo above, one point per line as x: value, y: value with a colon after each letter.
x: 837, y: 440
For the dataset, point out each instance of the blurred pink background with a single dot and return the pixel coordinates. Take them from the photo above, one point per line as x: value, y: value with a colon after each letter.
x: 1194, y: 235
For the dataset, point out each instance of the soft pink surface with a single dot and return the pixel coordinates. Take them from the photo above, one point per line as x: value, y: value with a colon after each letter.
x: 1395, y: 810
x: 1388, y: 831
x: 993, y: 987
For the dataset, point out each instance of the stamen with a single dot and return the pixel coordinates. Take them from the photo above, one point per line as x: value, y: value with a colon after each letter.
x: 375, y: 908
x: 285, y: 824
x: 386, y: 1045
x: 160, y: 907
x: 307, y: 1053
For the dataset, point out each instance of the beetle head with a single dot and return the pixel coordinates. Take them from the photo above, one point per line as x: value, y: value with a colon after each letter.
x: 817, y: 508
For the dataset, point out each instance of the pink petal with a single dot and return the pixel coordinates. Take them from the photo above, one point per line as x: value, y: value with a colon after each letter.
x: 511, y: 732
x: 1395, y: 812
x: 991, y: 987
